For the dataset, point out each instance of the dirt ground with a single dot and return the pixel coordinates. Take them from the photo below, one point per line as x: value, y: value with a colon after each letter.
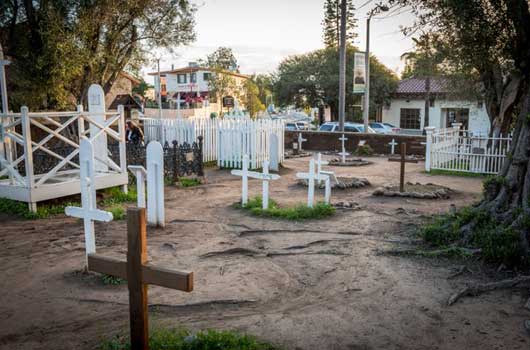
x: 301, y: 285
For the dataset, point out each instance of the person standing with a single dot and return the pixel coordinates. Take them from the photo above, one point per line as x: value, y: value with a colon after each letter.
x: 133, y: 134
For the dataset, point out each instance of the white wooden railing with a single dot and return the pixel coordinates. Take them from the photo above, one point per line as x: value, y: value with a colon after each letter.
x: 224, y: 141
x: 460, y: 151
x: 34, y: 131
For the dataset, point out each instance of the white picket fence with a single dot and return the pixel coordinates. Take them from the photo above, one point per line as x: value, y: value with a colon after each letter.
x: 457, y: 150
x: 224, y: 140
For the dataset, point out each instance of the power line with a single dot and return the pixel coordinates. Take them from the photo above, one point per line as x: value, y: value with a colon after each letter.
x: 365, y: 4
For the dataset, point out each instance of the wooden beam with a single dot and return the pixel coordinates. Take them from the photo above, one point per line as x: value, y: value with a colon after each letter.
x: 136, y: 257
x: 163, y: 277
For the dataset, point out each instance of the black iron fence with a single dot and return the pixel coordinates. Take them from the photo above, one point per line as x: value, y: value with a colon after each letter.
x: 180, y: 159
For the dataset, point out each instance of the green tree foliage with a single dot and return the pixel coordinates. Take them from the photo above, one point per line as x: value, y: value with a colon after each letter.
x: 142, y: 88
x: 60, y: 47
x: 312, y: 79
x: 331, y: 23
x: 265, y: 84
x: 251, y: 98
x: 221, y: 85
x: 224, y: 59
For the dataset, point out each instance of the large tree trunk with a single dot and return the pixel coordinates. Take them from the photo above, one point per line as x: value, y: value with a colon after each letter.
x: 509, y: 201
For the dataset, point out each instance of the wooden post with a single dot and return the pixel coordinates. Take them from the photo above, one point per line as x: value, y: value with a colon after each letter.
x: 265, y: 186
x: 28, y: 153
x: 403, y: 147
x: 428, y: 146
x: 136, y: 257
x: 311, y: 182
x: 155, y: 184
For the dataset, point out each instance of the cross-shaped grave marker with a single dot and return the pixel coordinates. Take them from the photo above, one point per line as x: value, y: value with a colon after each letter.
x: 155, y: 184
x: 311, y: 176
x: 88, y: 211
x: 343, y: 154
x: 393, y: 145
x: 403, y: 160
x: 300, y: 141
x: 265, y: 177
x: 139, y: 274
x: 141, y: 175
x: 319, y: 163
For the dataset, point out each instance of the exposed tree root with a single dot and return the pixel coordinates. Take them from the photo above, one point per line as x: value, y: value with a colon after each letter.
x: 322, y: 252
x: 256, y: 253
x: 451, y: 251
x: 459, y: 272
x: 246, y: 233
x: 320, y: 241
x: 167, y: 306
x: 233, y: 251
x: 486, y: 287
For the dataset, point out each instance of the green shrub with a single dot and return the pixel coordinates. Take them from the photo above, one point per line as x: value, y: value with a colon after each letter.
x: 298, y: 212
x: 111, y: 280
x: 184, y: 340
x: 364, y: 150
x: 118, y: 212
x: 11, y: 207
x: 497, y: 242
x: 115, y: 195
x: 186, y: 182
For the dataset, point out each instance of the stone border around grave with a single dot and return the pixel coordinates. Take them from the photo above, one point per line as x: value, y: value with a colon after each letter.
x: 439, y: 192
x: 349, y: 162
x: 290, y: 155
x: 344, y: 183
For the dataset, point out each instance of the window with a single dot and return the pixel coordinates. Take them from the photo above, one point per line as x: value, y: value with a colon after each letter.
x: 181, y: 79
x: 206, y: 76
x: 193, y: 77
x: 376, y: 126
x: 326, y: 127
x: 410, y: 118
x: 350, y: 129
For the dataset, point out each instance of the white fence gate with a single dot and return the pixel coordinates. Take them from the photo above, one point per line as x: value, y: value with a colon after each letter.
x: 457, y: 150
x: 224, y: 141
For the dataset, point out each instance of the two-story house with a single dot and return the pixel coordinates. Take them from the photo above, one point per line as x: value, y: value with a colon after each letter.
x: 190, y: 85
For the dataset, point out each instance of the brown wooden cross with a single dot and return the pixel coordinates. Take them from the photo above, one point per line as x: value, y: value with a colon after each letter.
x: 403, y: 160
x: 139, y: 274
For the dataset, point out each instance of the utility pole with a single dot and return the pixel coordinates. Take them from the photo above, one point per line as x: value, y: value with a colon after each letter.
x: 159, y: 90
x: 366, y: 109
x: 342, y: 65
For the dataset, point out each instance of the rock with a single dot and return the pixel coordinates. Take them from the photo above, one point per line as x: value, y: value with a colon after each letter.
x: 527, y: 326
x: 527, y: 305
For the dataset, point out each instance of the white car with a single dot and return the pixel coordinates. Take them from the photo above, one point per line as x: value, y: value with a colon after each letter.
x: 348, y: 127
x: 384, y: 128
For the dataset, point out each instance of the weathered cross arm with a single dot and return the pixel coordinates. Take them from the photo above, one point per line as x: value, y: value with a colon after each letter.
x: 163, y: 277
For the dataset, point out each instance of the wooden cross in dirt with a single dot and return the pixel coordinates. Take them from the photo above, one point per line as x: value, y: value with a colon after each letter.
x: 343, y: 153
x: 300, y: 141
x: 311, y: 177
x: 402, y: 160
x: 139, y: 274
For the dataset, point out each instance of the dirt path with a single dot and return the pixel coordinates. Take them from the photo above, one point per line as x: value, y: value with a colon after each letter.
x: 307, y: 285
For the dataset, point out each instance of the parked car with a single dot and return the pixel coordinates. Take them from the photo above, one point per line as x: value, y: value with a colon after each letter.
x: 348, y: 127
x: 384, y: 128
x: 292, y: 127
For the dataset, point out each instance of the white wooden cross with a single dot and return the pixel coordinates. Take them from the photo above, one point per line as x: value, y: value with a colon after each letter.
x: 344, y: 154
x: 311, y: 176
x: 265, y: 177
x: 300, y: 141
x: 88, y: 211
x: 393, y: 145
x: 320, y: 163
x: 141, y: 175
x: 155, y: 184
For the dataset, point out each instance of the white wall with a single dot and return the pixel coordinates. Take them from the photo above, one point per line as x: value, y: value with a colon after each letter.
x: 478, y: 117
x: 173, y: 85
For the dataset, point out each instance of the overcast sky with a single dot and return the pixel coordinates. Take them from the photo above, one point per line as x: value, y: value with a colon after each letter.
x: 263, y: 32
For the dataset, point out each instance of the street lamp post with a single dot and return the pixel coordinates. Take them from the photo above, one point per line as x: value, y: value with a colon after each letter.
x: 366, y: 108
x: 342, y: 66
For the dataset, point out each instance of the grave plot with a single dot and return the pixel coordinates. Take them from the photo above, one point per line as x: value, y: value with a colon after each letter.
x: 408, y: 189
x: 297, y: 150
x: 345, y: 158
x: 337, y: 182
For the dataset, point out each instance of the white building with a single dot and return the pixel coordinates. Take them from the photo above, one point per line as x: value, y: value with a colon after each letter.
x: 407, y: 108
x: 191, y: 84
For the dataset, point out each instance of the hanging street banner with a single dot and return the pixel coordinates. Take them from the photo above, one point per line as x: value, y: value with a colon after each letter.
x: 359, y: 73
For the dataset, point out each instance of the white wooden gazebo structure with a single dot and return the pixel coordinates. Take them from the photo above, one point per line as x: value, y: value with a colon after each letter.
x: 22, y: 134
